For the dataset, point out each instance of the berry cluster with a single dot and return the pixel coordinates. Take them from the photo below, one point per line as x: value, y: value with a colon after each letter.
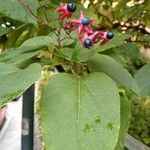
x: 85, y: 32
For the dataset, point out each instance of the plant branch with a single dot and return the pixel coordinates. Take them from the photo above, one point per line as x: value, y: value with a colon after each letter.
x: 45, y: 12
x: 65, y: 30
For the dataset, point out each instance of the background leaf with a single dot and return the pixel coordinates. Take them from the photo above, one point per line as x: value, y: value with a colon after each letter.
x: 128, y: 51
x: 80, y: 112
x: 143, y: 77
x: 114, y: 69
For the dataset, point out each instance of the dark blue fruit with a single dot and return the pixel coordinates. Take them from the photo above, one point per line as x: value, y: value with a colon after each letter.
x: 85, y: 21
x: 71, y: 7
x: 110, y: 35
x: 88, y: 43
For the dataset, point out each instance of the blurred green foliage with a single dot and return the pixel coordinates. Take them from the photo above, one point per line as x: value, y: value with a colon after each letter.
x: 140, y: 120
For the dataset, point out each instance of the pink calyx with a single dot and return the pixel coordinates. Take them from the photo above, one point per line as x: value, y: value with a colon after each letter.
x: 63, y: 11
x: 84, y: 24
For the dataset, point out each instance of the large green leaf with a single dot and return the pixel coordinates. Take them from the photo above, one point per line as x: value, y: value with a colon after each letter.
x: 80, y: 113
x: 20, y: 9
x: 13, y: 82
x: 143, y: 79
x: 114, y: 69
x: 125, y: 113
x: 7, y: 68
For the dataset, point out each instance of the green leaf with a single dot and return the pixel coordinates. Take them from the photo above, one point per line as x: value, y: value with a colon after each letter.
x: 80, y: 113
x: 19, y: 55
x: 20, y: 9
x: 13, y: 82
x: 128, y: 50
x: 79, y: 53
x: 114, y: 69
x: 116, y: 41
x: 27, y: 50
x: 125, y: 121
x: 40, y: 41
x: 7, y: 68
x: 143, y: 79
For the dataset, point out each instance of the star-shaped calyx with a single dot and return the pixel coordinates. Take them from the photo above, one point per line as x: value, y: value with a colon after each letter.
x: 66, y: 10
x: 83, y: 23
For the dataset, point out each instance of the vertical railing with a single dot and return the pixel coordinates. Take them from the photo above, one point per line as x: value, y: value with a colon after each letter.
x: 27, y: 141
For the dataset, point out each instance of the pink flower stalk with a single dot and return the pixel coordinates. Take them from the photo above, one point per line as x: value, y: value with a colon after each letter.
x: 68, y: 26
x: 66, y: 10
x: 84, y: 24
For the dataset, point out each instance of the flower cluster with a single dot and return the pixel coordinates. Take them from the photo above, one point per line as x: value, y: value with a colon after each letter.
x: 85, y: 32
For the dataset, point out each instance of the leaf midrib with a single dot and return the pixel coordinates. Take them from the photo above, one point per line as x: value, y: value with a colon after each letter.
x: 78, y: 108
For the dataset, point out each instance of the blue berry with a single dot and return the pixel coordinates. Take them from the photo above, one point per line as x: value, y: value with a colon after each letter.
x: 110, y: 35
x: 88, y: 43
x: 85, y: 21
x: 71, y: 7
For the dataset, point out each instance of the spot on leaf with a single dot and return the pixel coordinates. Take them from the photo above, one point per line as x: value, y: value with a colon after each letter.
x: 98, y: 120
x: 110, y: 126
x: 87, y: 128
